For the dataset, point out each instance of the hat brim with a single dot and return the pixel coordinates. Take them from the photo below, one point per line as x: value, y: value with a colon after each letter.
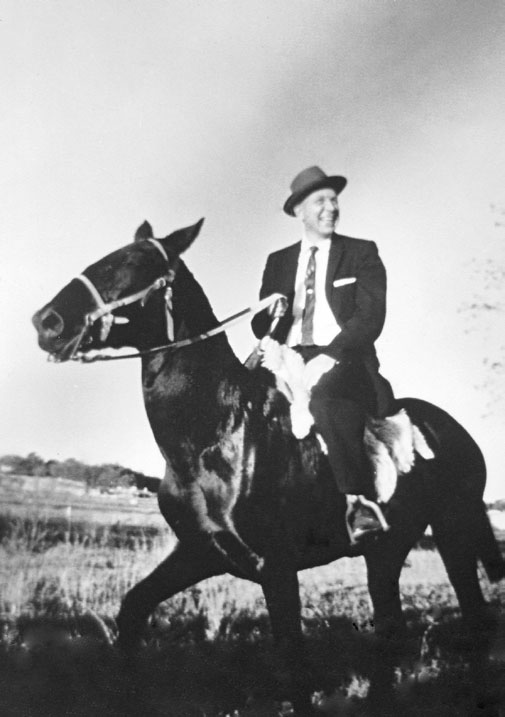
x: 337, y: 183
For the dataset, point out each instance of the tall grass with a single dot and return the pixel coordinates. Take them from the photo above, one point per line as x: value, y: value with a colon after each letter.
x: 49, y: 563
x: 44, y: 563
x: 209, y: 647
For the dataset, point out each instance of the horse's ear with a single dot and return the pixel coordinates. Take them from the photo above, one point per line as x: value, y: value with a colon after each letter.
x: 182, y: 239
x: 145, y: 231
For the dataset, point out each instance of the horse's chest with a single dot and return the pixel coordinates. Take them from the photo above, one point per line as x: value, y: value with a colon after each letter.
x: 216, y: 472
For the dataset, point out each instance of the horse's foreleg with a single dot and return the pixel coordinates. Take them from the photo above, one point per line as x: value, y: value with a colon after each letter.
x: 281, y: 590
x: 236, y: 553
x: 181, y: 569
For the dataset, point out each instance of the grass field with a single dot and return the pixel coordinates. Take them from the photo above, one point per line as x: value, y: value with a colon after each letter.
x: 208, y: 650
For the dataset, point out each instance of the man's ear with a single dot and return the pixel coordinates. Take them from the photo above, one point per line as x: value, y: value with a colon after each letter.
x: 145, y: 231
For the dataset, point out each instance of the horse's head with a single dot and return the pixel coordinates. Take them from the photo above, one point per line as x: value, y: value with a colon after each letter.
x: 105, y: 306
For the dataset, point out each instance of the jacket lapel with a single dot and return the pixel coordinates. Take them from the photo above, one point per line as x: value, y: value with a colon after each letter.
x: 287, y: 274
x: 336, y: 255
x: 290, y: 261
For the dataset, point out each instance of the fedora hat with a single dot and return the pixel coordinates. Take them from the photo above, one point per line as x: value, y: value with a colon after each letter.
x: 307, y: 182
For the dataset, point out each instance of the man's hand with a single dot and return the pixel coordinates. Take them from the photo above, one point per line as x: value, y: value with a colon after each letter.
x: 315, y: 368
x: 266, y: 344
x: 278, y: 308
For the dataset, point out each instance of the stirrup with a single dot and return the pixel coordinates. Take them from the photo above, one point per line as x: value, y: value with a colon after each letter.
x: 348, y: 511
x: 374, y: 507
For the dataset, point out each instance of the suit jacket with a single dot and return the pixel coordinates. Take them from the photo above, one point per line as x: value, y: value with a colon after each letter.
x: 359, y: 307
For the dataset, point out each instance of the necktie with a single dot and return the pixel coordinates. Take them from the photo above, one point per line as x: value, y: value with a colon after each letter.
x: 310, y: 300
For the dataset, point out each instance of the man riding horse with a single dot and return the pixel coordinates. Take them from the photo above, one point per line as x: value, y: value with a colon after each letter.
x: 335, y: 287
x: 240, y: 493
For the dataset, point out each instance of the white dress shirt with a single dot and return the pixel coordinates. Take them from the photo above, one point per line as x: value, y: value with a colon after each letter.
x: 325, y: 325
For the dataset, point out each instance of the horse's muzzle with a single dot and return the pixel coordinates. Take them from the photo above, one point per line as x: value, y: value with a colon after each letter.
x: 48, y: 323
x: 49, y: 326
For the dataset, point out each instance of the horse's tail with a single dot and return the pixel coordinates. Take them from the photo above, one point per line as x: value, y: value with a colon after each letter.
x: 488, y: 549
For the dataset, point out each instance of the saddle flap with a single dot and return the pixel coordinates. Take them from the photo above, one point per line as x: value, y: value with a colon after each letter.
x: 391, y: 443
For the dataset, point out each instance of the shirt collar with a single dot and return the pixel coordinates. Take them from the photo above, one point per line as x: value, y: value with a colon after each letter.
x: 323, y: 245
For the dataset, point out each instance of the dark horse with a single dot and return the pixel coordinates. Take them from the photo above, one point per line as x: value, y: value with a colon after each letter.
x: 242, y: 495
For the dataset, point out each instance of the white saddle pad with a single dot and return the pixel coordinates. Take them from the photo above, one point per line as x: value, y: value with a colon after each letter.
x: 390, y: 443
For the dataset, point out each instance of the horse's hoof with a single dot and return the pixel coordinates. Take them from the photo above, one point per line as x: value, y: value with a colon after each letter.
x: 306, y: 709
x: 129, y: 646
x: 285, y: 709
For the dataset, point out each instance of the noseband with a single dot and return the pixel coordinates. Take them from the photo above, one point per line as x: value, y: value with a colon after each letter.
x: 104, y: 310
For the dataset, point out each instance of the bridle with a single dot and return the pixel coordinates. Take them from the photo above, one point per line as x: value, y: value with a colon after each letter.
x: 104, y: 314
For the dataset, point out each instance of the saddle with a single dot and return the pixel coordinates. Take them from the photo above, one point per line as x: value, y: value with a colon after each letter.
x: 390, y: 443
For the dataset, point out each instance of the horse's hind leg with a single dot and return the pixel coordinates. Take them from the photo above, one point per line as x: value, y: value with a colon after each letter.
x: 456, y: 539
x: 456, y: 533
x: 384, y: 561
x: 181, y: 569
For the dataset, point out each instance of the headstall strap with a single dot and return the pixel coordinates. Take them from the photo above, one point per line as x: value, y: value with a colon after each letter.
x: 168, y: 313
x: 155, y: 286
x: 106, y: 326
x: 159, y: 246
x: 92, y: 290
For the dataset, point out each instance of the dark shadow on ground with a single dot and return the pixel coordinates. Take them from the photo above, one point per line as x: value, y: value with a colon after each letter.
x: 63, y: 668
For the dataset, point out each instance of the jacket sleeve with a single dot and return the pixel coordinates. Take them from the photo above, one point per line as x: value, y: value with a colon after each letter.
x: 362, y: 328
x: 261, y: 322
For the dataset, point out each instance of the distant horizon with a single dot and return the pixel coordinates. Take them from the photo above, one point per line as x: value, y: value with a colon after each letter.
x: 4, y: 467
x: 489, y: 503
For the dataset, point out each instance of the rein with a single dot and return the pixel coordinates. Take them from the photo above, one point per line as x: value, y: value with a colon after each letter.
x: 223, y: 326
x: 103, y: 313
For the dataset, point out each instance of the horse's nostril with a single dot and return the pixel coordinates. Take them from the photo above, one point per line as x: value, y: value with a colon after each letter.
x: 51, y: 323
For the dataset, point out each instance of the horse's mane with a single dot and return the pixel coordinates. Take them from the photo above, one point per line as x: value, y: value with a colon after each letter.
x: 198, y: 313
x: 196, y: 304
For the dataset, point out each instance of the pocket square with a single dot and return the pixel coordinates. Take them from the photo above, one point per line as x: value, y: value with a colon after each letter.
x: 343, y: 282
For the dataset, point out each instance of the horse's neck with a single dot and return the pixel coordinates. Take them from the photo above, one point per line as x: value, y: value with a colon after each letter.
x: 192, y: 393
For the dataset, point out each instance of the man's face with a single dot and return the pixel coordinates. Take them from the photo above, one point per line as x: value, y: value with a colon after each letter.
x: 319, y: 212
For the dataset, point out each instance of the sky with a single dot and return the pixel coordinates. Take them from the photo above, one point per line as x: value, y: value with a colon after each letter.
x: 116, y: 111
